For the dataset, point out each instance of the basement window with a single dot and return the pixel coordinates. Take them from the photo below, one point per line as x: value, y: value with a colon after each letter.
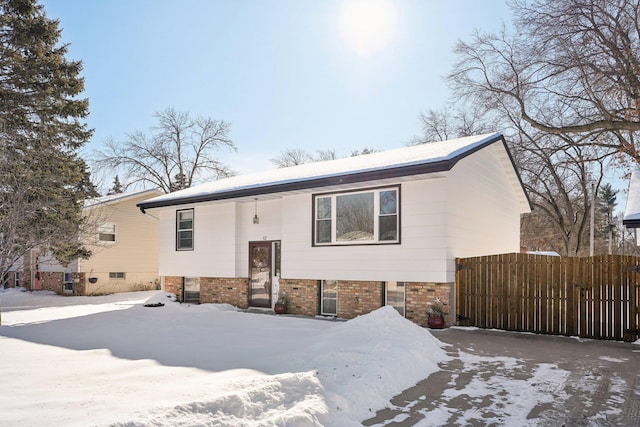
x: 329, y: 302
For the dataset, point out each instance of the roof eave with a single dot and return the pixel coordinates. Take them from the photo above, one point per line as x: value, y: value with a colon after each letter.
x: 327, y: 181
x: 348, y: 178
x: 631, y: 223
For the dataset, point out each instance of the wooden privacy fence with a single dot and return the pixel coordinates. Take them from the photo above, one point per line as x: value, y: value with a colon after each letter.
x: 595, y: 297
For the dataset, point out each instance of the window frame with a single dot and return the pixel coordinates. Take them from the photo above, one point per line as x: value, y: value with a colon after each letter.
x: 117, y: 275
x: 101, y: 231
x: 322, y: 298
x: 191, y: 282
x: 333, y: 196
x: 179, y: 230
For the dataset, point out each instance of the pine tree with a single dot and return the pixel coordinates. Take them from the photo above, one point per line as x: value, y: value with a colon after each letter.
x: 117, y: 187
x: 607, y: 201
x: 179, y: 182
x: 43, y: 181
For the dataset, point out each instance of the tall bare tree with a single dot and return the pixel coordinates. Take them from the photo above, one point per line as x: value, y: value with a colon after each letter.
x: 560, y: 183
x: 558, y: 175
x: 569, y: 67
x: 291, y: 157
x: 451, y: 122
x: 179, y: 152
x: 297, y: 156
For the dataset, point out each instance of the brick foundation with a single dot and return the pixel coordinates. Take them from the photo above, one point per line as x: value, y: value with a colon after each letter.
x: 52, y: 281
x: 354, y: 297
x: 303, y: 296
x: 173, y: 284
x: 231, y: 290
x: 360, y: 297
x: 419, y: 296
x: 79, y: 283
x: 357, y: 298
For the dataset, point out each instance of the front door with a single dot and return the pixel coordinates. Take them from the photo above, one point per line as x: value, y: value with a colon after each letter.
x: 260, y: 271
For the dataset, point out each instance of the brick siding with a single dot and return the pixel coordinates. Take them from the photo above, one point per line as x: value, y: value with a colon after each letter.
x: 52, y: 281
x: 303, y: 296
x: 173, y: 284
x: 79, y: 283
x: 419, y: 296
x: 354, y: 297
x: 357, y: 298
x: 233, y: 290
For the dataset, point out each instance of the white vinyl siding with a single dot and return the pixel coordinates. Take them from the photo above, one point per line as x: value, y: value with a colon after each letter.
x: 494, y: 225
x: 421, y: 256
x: 472, y: 209
x: 222, y: 233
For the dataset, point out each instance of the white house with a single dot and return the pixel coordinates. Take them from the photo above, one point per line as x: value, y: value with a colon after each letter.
x: 343, y: 237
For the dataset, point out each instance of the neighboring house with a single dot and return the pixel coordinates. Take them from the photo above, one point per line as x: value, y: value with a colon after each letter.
x: 124, y: 247
x: 347, y: 236
x: 631, y: 217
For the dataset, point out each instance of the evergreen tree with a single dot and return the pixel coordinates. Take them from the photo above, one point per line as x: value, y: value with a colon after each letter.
x: 607, y: 201
x: 117, y: 187
x: 179, y: 182
x: 43, y: 182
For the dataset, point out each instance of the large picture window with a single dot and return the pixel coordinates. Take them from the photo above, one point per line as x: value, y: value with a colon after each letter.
x: 184, y: 230
x: 358, y: 217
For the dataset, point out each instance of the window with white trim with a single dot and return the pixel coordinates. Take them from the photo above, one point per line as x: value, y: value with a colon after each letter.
x: 107, y: 233
x: 329, y: 301
x: 117, y: 275
x: 357, y: 217
x: 184, y: 230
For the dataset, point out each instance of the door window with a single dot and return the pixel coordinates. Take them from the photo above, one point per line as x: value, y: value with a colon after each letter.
x: 260, y: 270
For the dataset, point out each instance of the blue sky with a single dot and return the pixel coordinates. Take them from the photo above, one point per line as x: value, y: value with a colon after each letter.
x: 284, y: 73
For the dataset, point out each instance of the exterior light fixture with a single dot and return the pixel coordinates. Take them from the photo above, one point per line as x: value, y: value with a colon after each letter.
x: 256, y: 220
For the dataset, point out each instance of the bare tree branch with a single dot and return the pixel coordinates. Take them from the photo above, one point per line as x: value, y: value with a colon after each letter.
x: 178, y: 153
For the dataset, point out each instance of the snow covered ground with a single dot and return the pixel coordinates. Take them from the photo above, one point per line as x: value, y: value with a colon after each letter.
x: 79, y: 361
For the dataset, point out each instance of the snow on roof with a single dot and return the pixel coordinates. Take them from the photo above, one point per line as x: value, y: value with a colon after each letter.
x: 424, y: 154
x: 113, y: 198
x: 632, y: 211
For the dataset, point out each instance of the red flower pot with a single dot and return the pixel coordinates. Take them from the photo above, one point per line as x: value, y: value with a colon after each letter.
x: 435, y: 322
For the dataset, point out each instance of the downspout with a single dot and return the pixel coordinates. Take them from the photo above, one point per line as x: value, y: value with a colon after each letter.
x: 147, y: 213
